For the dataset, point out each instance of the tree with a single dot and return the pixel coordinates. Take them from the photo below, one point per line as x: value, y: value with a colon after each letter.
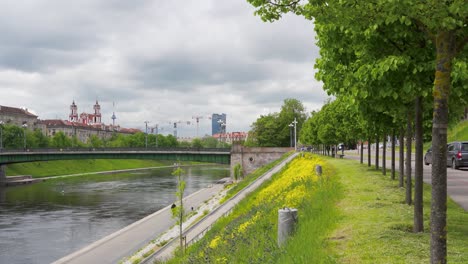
x: 95, y: 142
x: 197, y: 143
x: 60, y: 140
x: 272, y: 130
x: 440, y: 25
x: 41, y: 139
x: 178, y: 211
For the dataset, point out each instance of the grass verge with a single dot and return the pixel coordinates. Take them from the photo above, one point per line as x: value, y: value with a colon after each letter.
x: 65, y: 167
x: 376, y: 224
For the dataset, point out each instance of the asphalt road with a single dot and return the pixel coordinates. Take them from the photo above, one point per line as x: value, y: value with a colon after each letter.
x: 457, y: 180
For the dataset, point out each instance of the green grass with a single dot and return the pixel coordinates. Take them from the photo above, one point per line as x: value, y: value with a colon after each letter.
x: 458, y: 132
x: 65, y: 167
x: 258, y: 243
x: 375, y: 225
x: 357, y: 216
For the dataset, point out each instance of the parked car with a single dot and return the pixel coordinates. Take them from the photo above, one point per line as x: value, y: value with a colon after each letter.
x: 428, y: 156
x: 457, y: 154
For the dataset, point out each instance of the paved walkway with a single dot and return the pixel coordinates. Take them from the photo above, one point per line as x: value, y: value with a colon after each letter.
x: 127, y: 241
x: 201, y: 227
x: 457, y: 180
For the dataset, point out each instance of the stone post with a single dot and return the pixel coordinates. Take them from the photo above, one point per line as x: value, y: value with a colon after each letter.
x: 3, y: 173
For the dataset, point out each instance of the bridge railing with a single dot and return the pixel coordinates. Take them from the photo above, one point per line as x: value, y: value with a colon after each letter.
x: 89, y: 149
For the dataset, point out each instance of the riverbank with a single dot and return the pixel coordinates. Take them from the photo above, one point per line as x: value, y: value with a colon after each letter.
x: 84, y: 167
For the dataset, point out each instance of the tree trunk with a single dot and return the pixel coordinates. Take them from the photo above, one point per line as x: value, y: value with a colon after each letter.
x: 445, y: 46
x: 402, y: 158
x: 362, y: 154
x: 393, y: 154
x: 377, y: 152
x: 384, y: 155
x: 418, y: 170
x: 368, y: 152
x: 409, y: 135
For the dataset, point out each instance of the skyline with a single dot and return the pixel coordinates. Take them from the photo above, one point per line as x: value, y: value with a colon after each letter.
x: 159, y: 62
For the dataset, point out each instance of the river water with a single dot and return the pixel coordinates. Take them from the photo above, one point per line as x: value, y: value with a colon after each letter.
x: 43, y: 222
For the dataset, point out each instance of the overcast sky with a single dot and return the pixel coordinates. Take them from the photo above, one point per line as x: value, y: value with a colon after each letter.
x: 160, y: 61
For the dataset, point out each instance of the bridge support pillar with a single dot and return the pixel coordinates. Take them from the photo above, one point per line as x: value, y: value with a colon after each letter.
x: 2, y: 173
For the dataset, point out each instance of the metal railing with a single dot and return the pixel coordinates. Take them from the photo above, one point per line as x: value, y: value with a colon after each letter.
x: 91, y: 149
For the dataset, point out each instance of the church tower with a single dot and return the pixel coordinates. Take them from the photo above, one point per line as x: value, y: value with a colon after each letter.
x: 73, y: 112
x: 97, y: 113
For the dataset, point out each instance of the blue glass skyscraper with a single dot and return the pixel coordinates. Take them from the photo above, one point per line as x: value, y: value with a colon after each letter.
x: 218, y: 124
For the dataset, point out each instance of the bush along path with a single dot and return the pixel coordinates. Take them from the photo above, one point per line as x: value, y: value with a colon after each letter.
x: 249, y: 233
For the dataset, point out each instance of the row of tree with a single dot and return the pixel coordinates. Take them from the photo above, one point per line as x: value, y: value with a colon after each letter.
x: 15, y: 137
x: 389, y: 59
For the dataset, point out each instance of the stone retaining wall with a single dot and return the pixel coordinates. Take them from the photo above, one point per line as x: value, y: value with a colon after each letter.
x: 253, y: 158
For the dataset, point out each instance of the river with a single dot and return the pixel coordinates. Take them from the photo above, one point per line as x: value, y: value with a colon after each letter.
x: 43, y: 222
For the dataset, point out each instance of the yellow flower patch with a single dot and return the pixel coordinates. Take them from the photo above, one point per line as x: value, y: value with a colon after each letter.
x: 290, y: 186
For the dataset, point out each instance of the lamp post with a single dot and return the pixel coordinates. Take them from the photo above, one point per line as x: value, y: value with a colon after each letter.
x: 156, y: 128
x: 290, y: 135
x: 1, y: 135
x: 294, y: 123
x: 146, y: 134
x: 221, y: 125
x: 24, y: 135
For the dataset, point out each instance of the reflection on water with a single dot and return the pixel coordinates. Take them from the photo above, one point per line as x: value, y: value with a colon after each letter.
x: 43, y: 222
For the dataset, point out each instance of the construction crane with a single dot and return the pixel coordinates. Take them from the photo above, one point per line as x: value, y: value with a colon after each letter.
x: 197, y: 117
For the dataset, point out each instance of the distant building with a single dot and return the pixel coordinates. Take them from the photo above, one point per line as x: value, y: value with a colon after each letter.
x: 86, y: 118
x: 231, y: 137
x: 83, y: 127
x: 18, y: 117
x: 218, y: 124
x: 83, y: 131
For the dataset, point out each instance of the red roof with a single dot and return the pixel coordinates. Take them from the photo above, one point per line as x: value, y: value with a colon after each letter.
x: 6, y: 110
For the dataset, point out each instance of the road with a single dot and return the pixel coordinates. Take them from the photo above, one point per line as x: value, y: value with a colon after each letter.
x: 457, y: 180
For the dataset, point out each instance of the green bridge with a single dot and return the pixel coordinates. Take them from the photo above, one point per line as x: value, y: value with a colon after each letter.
x: 220, y: 156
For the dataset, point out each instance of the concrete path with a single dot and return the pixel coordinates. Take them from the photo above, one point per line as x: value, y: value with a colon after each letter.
x: 457, y: 180
x: 199, y: 229
x: 125, y: 242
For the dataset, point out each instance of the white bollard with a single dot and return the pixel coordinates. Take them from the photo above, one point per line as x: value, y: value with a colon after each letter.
x: 287, y: 221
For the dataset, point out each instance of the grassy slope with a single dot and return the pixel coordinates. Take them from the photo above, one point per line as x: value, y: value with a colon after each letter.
x: 376, y: 224
x: 64, y: 167
x: 362, y: 220
x: 458, y: 132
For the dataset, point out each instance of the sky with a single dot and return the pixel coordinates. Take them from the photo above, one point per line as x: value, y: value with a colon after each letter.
x: 157, y: 61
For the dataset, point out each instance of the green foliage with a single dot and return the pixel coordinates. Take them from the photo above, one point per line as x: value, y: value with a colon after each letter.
x: 60, y: 140
x: 273, y: 130
x: 178, y: 212
x: 237, y: 171
x: 197, y: 143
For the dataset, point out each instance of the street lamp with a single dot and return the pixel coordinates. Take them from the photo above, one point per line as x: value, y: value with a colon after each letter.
x: 146, y: 134
x: 290, y: 135
x: 156, y: 128
x: 24, y: 135
x: 294, y: 123
x: 1, y: 135
x: 221, y: 125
